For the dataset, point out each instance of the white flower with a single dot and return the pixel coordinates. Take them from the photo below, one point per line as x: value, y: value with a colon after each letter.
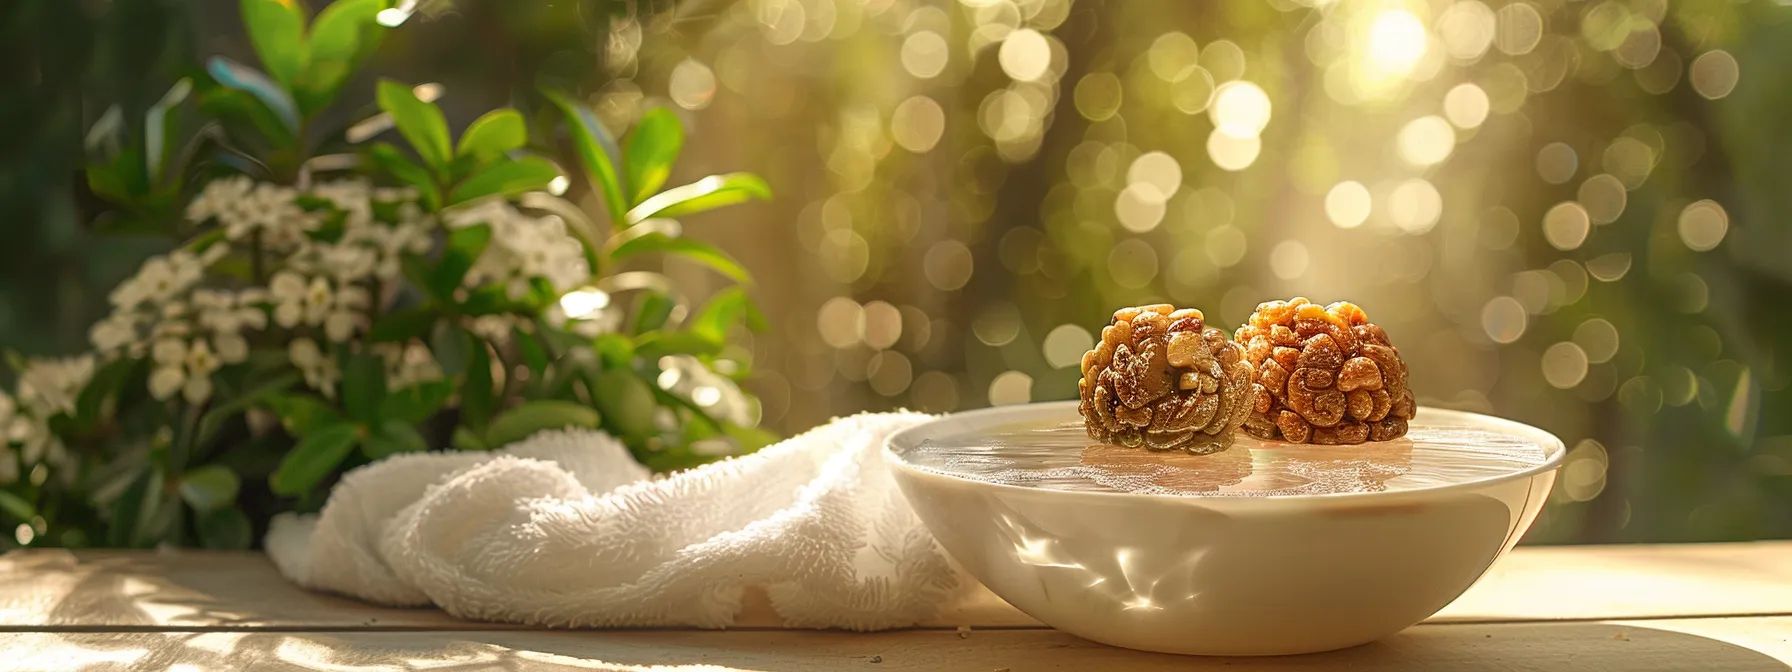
x: 407, y: 365
x: 493, y: 328
x: 352, y: 197
x: 114, y: 333
x: 287, y: 290
x: 169, y: 375
x: 348, y: 262
x: 345, y: 313
x: 182, y: 367
x: 522, y: 248
x: 200, y: 364
x: 51, y: 386
x: 315, y: 303
x: 217, y: 196
x: 339, y: 311
x: 271, y: 211
x: 226, y: 313
x: 232, y: 347
x: 320, y: 371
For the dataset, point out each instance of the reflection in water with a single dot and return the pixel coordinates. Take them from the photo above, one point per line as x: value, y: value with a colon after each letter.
x: 1059, y: 456
x: 1171, y: 470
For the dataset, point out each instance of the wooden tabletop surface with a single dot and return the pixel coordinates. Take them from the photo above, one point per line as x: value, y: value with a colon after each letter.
x: 1660, y: 607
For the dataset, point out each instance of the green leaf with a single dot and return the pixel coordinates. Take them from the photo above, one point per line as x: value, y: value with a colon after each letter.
x: 209, y: 487
x: 724, y: 310
x: 494, y: 134
x: 750, y: 438
x: 508, y: 178
x: 127, y: 509
x: 214, y: 417
x: 402, y: 325
x: 342, y: 36
x: 363, y: 386
x: 465, y: 439
x: 107, y: 180
x: 685, y: 247
x: 315, y: 455
x: 626, y: 403
x: 392, y: 436
x: 302, y: 414
x: 616, y: 350
x: 492, y: 299
x: 407, y: 171
x: 248, y: 80
x: 451, y: 345
x: 652, y: 312
x: 708, y: 193
x: 421, y: 123
x: 524, y: 421
x: 661, y: 343
x: 416, y: 403
x: 234, y: 108
x: 530, y: 349
x: 463, y: 248
x: 105, y: 384
x: 16, y: 506
x: 649, y: 152
x: 476, y: 402
x: 225, y: 529
x: 160, y: 130
x: 596, y: 150
x: 277, y: 31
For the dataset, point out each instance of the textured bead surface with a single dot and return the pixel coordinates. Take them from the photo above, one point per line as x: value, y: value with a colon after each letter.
x: 1162, y: 379
x: 1323, y: 374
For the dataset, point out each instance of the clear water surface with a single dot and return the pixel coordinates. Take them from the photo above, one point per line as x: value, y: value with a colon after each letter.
x: 1058, y: 455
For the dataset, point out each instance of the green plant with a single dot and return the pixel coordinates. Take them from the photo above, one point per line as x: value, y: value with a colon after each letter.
x: 329, y: 301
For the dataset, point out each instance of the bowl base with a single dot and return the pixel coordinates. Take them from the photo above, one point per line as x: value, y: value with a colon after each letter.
x: 1268, y: 651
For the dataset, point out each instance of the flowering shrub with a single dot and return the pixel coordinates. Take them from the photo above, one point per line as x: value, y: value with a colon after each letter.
x: 329, y: 301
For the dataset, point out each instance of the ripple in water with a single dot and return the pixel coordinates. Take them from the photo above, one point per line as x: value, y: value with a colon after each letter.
x: 1060, y: 456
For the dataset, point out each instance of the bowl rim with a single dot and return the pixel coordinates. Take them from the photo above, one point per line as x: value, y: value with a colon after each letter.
x: 1552, y: 444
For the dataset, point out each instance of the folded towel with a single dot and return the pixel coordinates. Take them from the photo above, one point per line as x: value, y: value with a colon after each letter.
x: 564, y: 529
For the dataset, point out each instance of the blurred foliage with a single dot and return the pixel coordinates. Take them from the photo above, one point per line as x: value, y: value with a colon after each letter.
x: 971, y: 186
x: 326, y: 301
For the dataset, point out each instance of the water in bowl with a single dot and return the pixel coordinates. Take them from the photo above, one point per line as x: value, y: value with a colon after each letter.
x: 1060, y: 456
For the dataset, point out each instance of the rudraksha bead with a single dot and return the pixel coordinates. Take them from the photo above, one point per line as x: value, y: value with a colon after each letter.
x: 1324, y: 374
x: 1162, y: 379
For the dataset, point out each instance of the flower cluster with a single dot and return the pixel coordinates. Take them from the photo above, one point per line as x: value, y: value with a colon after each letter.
x: 522, y: 248
x: 254, y: 211
x: 45, y: 388
x: 407, y: 364
x: 368, y: 248
x: 319, y: 251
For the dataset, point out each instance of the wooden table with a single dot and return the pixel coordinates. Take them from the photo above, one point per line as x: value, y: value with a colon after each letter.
x: 1676, y: 607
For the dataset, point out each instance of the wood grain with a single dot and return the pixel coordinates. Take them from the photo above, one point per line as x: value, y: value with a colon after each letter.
x: 1731, y: 644
x: 99, y: 590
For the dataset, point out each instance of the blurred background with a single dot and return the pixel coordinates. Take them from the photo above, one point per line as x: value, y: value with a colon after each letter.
x: 1569, y: 213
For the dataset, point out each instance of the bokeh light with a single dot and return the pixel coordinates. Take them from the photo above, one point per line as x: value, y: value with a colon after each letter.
x: 1466, y: 105
x: 1348, y: 204
x: 1714, y: 74
x: 1426, y: 140
x: 1703, y: 224
x: 1566, y: 225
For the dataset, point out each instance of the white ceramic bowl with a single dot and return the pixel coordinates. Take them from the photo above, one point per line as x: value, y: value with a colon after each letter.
x: 1216, y: 574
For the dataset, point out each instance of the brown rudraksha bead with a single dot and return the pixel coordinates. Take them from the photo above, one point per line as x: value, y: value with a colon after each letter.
x: 1324, y: 374
x: 1162, y: 379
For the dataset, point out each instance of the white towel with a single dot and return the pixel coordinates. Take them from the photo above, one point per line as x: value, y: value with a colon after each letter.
x: 564, y: 529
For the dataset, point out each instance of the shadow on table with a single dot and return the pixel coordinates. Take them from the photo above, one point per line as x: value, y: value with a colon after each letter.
x: 1558, y: 646
x: 100, y: 589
